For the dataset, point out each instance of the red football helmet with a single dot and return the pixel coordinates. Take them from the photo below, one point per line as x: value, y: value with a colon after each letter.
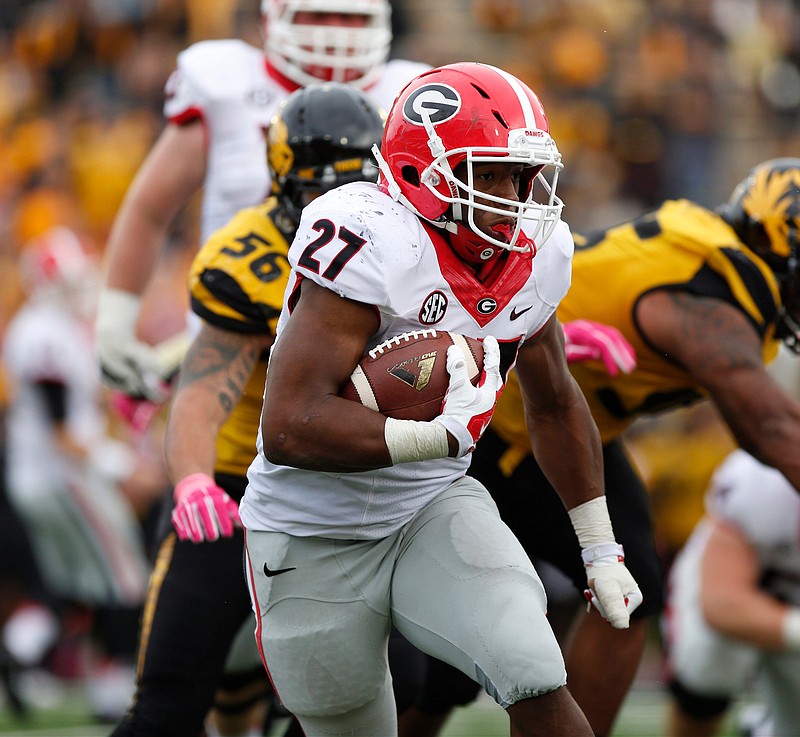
x: 473, y: 113
x: 57, y: 266
x: 328, y: 40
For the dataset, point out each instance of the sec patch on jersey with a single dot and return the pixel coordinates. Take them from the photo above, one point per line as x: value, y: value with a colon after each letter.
x: 406, y: 377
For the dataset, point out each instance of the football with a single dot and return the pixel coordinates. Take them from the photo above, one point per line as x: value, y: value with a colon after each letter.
x: 406, y: 377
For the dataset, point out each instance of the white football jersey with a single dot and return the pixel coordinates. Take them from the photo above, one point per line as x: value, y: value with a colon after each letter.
x: 358, y: 242
x: 44, y: 342
x: 86, y: 539
x: 227, y: 84
x: 760, y: 503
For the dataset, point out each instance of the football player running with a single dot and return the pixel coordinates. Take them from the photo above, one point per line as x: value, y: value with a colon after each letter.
x: 705, y: 299
x: 356, y: 522
x: 320, y: 137
x: 219, y: 101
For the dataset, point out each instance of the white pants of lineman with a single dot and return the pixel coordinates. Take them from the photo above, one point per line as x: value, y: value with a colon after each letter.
x: 86, y: 539
x: 709, y: 663
x: 454, y: 581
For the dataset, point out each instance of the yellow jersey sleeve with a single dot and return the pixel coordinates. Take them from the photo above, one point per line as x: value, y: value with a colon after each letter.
x: 237, y: 279
x: 679, y: 246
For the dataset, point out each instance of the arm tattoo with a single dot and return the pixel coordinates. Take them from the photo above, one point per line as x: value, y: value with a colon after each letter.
x: 223, y: 361
x: 715, y: 334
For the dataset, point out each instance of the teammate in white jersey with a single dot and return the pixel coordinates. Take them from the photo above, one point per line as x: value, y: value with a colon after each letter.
x: 734, y: 602
x: 62, y: 467
x: 218, y: 104
x: 355, y: 522
x: 64, y: 473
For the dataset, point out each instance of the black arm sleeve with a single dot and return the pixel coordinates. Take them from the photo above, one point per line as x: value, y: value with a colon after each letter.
x: 54, y: 395
x: 708, y: 283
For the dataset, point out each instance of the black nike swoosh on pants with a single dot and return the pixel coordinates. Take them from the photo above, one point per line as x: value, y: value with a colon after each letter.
x: 269, y: 573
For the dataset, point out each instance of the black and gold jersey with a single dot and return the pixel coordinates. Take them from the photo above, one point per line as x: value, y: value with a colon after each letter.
x: 679, y: 246
x: 236, y: 283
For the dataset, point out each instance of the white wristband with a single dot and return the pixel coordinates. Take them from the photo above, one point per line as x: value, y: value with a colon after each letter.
x: 112, y: 459
x: 116, y: 307
x: 591, y: 522
x: 602, y: 554
x: 409, y: 440
x: 791, y: 629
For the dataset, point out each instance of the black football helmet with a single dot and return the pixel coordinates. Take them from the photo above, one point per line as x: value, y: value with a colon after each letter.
x: 764, y: 210
x: 320, y: 137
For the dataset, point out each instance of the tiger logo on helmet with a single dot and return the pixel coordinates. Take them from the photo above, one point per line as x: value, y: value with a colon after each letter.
x: 764, y: 211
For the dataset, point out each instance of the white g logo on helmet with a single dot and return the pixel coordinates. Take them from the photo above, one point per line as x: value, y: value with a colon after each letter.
x: 434, y: 102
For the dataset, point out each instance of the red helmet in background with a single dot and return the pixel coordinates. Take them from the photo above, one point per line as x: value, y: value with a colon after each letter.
x: 350, y: 46
x: 475, y: 114
x: 59, y: 267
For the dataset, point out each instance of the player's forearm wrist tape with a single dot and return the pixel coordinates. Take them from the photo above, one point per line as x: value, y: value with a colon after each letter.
x: 118, y: 306
x: 409, y: 440
x: 791, y: 629
x: 592, y: 523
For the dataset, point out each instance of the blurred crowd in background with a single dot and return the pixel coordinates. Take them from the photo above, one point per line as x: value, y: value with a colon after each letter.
x: 647, y: 100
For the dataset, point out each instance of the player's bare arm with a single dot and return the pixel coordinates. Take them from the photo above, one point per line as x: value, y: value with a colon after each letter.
x: 719, y: 347
x: 213, y: 376
x: 566, y: 444
x: 172, y: 173
x: 732, y: 598
x: 305, y: 423
x: 559, y: 419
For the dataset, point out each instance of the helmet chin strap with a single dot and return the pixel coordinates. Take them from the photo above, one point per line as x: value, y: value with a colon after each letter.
x: 452, y: 225
x: 514, y: 234
x: 471, y: 247
x: 469, y: 244
x: 438, y: 150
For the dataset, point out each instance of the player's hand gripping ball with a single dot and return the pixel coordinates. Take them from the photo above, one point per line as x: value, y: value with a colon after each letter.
x: 406, y: 377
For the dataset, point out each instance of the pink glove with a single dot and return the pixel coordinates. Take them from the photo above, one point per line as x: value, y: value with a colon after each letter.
x: 203, y: 511
x: 587, y: 340
x: 138, y: 413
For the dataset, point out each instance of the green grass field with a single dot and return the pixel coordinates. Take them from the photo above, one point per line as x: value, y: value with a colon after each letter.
x: 642, y: 716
